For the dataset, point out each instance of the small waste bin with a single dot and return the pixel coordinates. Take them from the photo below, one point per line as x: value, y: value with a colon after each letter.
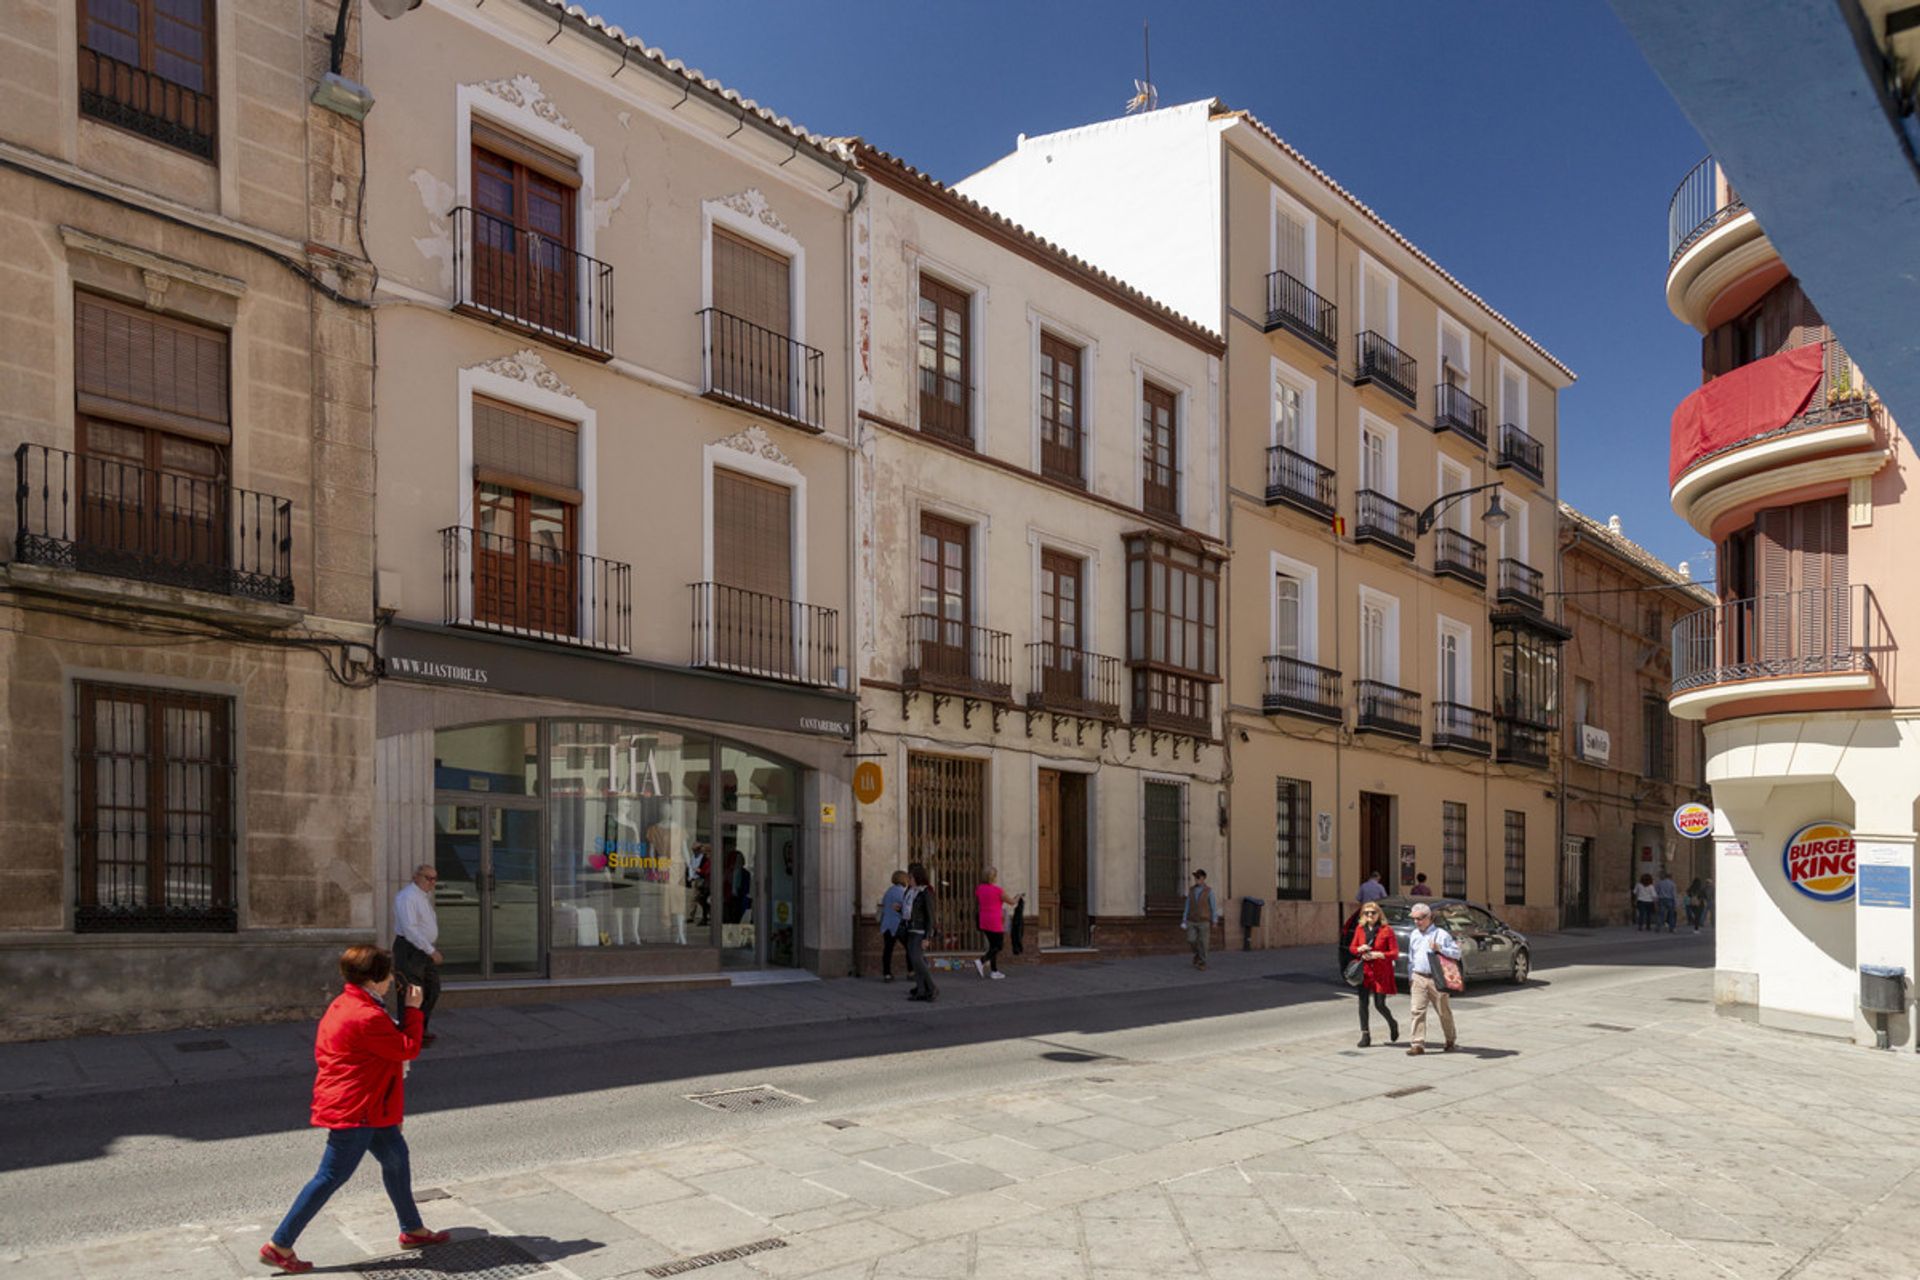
x: 1249, y: 920
x: 1883, y: 991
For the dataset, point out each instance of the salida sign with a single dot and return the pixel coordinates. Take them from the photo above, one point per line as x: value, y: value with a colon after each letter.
x: 1820, y: 861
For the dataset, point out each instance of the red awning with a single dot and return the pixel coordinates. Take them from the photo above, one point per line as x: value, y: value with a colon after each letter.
x: 1752, y: 400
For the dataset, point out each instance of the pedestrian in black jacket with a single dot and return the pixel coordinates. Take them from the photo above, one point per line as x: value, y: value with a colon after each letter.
x: 919, y: 916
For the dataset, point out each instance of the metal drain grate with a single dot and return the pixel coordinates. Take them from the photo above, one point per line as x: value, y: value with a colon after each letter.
x: 759, y: 1097
x: 718, y: 1255
x: 201, y: 1046
x: 1409, y: 1091
x: 1608, y: 1026
x: 478, y: 1258
x: 843, y: 1124
x: 1688, y: 1000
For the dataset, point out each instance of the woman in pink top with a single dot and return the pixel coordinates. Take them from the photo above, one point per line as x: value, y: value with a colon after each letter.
x: 994, y: 902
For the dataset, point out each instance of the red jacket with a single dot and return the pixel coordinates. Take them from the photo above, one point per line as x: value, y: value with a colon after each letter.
x: 359, y: 1052
x: 1378, y: 974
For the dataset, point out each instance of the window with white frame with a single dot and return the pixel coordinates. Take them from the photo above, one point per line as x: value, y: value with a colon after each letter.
x: 1292, y: 249
x: 1379, y: 300
x: 1290, y: 426
x: 1378, y: 468
x: 1459, y: 516
x: 1514, y: 529
x: 1455, y: 367
x: 1379, y: 637
x: 1513, y: 396
x: 1454, y: 668
x: 1286, y: 615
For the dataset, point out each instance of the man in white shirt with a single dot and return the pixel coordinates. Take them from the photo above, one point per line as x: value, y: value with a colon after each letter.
x: 1423, y: 976
x: 416, y: 930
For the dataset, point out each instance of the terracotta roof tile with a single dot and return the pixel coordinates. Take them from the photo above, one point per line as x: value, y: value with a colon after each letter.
x: 1631, y: 552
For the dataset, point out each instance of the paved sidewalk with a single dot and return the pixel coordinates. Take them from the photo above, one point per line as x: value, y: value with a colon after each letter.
x: 84, y: 1064
x: 1620, y: 1130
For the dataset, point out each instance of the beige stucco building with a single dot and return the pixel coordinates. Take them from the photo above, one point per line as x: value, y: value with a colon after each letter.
x: 185, y: 613
x: 1391, y: 690
x: 613, y: 412
x: 1040, y: 575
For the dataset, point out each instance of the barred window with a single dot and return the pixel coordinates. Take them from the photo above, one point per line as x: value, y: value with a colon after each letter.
x: 154, y: 810
x: 1516, y: 857
x: 1453, y: 848
x: 1292, y: 839
x: 1164, y: 845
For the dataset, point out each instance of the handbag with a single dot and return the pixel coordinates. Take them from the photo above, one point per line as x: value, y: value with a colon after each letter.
x: 1452, y: 976
x: 1354, y: 971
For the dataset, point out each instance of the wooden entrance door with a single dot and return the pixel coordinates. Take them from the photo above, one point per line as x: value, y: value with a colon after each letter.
x: 1047, y: 827
x: 523, y: 563
x: 1061, y: 676
x: 1072, y: 843
x: 1376, y: 837
x: 523, y: 242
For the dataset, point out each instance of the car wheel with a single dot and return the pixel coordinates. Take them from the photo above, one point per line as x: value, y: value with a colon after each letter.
x: 1522, y: 965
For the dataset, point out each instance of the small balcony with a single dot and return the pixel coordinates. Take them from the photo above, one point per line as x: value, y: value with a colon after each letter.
x: 517, y: 587
x: 1302, y: 312
x: 98, y: 515
x: 1378, y: 362
x: 1457, y: 727
x: 1455, y: 555
x: 1521, y: 452
x: 1456, y: 411
x: 1831, y: 640
x: 145, y: 103
x: 1299, y: 688
x: 1704, y: 201
x: 1521, y: 742
x: 750, y: 633
x: 532, y: 283
x: 1521, y: 585
x: 948, y: 656
x: 766, y: 372
x: 1713, y: 241
x: 1073, y: 682
x: 1379, y: 519
x: 1297, y: 481
x: 1382, y: 708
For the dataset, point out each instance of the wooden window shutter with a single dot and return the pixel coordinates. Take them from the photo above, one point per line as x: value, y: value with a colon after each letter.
x: 752, y: 534
x: 521, y: 449
x: 150, y: 370
x: 564, y: 170
x: 1774, y: 573
x: 752, y: 282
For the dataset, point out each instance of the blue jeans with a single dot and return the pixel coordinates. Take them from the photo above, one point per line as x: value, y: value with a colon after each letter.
x: 1667, y: 913
x: 337, y: 1163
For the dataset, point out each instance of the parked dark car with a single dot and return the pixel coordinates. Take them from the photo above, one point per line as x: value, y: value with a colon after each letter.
x: 1489, y: 949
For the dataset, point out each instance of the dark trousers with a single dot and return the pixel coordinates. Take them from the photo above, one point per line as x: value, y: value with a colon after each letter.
x: 917, y: 966
x: 1379, y: 1002
x: 1642, y: 914
x: 887, y: 943
x: 417, y: 967
x: 337, y: 1163
x: 991, y: 957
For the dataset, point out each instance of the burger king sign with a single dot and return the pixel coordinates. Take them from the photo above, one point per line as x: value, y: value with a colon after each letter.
x: 1819, y: 861
x: 1693, y: 820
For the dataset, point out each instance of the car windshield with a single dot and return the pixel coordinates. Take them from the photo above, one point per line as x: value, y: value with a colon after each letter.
x: 1397, y: 913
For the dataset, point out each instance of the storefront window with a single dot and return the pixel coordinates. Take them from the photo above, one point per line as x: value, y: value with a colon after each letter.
x: 496, y: 759
x: 628, y: 864
x: 752, y: 783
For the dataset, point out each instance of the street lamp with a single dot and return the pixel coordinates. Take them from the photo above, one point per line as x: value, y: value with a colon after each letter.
x: 1495, y: 516
x: 335, y: 92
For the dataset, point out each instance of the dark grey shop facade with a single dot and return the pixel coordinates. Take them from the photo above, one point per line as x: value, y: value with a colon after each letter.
x: 597, y: 816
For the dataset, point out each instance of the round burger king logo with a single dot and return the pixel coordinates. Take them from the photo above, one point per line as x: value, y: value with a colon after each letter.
x: 1693, y: 820
x: 1819, y: 861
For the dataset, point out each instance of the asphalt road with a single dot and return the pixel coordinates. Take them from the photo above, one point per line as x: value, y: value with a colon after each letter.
x: 74, y: 1168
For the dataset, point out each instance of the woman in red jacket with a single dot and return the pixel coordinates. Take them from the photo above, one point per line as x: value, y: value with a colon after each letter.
x: 357, y: 1099
x: 1377, y: 948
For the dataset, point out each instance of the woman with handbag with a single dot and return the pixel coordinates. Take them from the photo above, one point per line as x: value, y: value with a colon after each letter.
x: 358, y: 1087
x: 1375, y: 949
x: 918, y: 911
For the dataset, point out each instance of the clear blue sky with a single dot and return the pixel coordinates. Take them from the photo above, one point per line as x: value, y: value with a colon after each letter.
x: 1525, y: 144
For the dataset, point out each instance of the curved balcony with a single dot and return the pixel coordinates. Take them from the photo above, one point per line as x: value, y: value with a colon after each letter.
x: 1815, y: 643
x: 1713, y: 241
x: 1799, y: 418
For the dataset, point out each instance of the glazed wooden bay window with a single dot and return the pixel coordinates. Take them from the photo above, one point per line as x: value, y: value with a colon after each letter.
x: 944, y: 338
x: 147, y: 66
x: 1173, y: 633
x: 1060, y: 421
x: 1160, y: 452
x: 153, y: 810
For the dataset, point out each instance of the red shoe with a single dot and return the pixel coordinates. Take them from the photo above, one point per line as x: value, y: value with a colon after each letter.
x: 422, y: 1237
x: 271, y: 1254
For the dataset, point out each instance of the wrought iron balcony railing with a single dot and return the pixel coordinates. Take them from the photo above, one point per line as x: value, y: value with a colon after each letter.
x: 1455, y: 555
x: 763, y: 370
x: 1302, y: 312
x: 753, y: 634
x: 1458, y: 727
x: 532, y: 282
x: 1520, y: 584
x: 1302, y: 689
x: 1704, y: 200
x: 1375, y: 360
x: 1821, y: 631
x: 1522, y: 742
x: 1298, y: 481
x: 1456, y: 411
x: 1520, y: 451
x: 948, y: 656
x: 493, y: 582
x: 146, y: 103
x: 1378, y: 518
x: 100, y: 515
x: 1073, y: 681
x: 1383, y: 708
